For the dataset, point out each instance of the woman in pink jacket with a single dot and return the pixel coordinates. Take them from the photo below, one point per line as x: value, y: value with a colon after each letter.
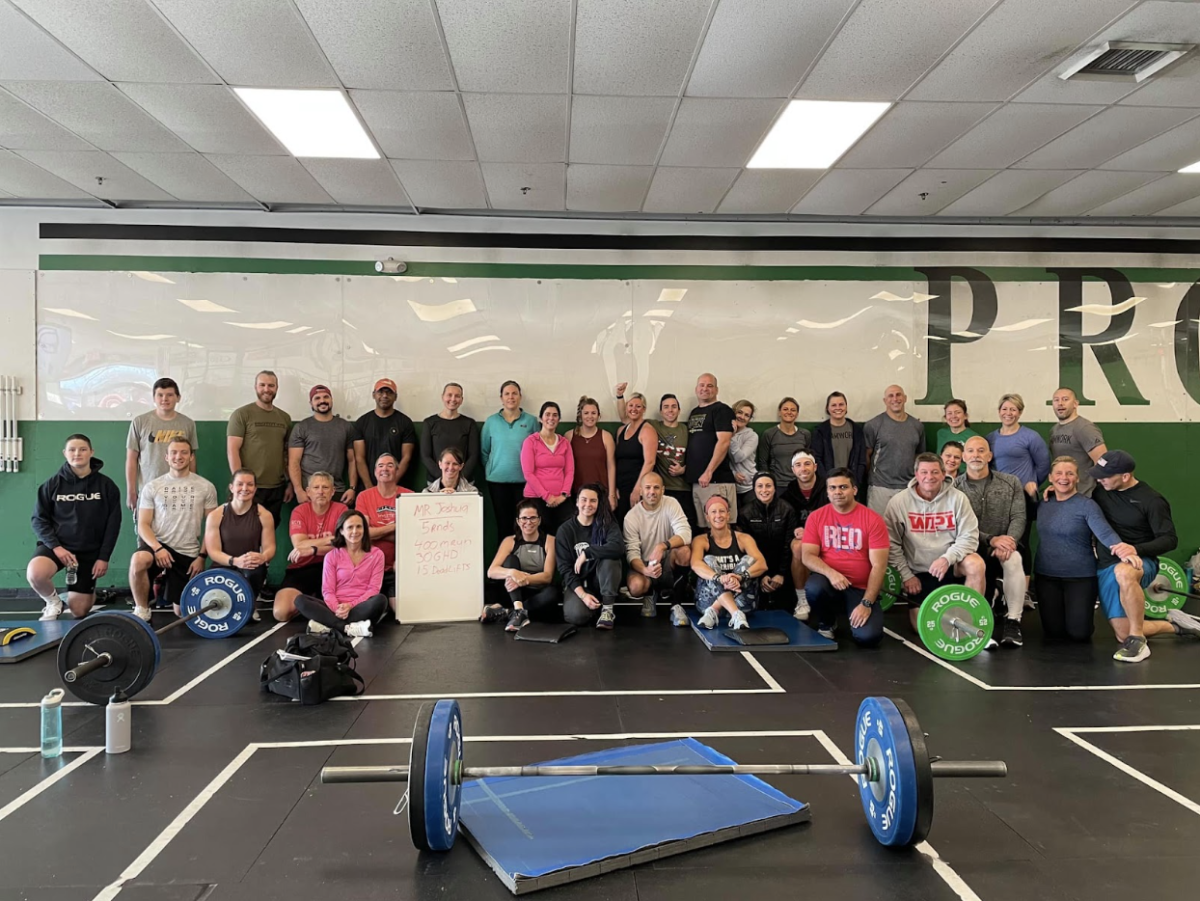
x: 549, y: 468
x: 350, y: 583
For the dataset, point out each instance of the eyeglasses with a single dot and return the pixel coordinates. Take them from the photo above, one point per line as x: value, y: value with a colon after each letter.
x: 528, y: 518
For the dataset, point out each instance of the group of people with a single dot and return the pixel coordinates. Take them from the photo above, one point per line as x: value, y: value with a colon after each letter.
x: 792, y: 518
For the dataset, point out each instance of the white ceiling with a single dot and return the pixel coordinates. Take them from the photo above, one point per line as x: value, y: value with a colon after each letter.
x: 599, y: 106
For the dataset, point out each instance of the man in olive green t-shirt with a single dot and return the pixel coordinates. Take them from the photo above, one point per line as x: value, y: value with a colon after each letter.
x: 257, y: 440
x: 672, y: 444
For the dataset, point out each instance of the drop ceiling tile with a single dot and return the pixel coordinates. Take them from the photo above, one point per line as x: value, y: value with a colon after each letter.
x: 622, y: 131
x: 518, y: 128
x: 768, y: 190
x: 98, y: 113
x: 636, y: 48
x: 1019, y: 41
x: 762, y: 48
x: 1013, y: 131
x: 910, y: 133
x: 359, y: 182
x: 608, y: 189
x: 263, y: 43
x: 847, y: 192
x: 1169, y: 152
x: 271, y: 179
x: 1187, y: 208
x: 1177, y: 85
x: 525, y: 186
x: 416, y: 125
x: 186, y: 176
x: 381, y: 44
x: 886, y: 45
x: 22, y: 178
x: 1052, y: 89
x: 687, y: 190
x: 27, y: 53
x: 520, y: 48
x: 1152, y: 198
x: 209, y: 118
x: 718, y: 132
x: 940, y: 188
x: 1088, y: 191
x: 434, y: 184
x: 83, y: 168
x: 124, y: 40
x: 1007, y: 191
x: 1104, y: 136
x: 23, y: 128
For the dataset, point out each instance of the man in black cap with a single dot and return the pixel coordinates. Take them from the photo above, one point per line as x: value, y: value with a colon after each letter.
x: 1141, y: 517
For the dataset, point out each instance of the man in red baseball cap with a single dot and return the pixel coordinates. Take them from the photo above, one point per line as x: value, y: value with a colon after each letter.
x: 384, y: 430
x: 323, y: 443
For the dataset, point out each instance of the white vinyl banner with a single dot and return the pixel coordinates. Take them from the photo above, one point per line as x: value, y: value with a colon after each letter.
x: 439, y: 557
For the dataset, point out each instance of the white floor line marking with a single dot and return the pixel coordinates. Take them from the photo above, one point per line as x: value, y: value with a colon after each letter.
x: 621, y: 693
x: 947, y: 873
x: 22, y: 799
x: 762, y: 671
x: 173, y: 696
x: 942, y: 663
x: 1137, y: 774
x: 71, y: 750
x: 1078, y: 729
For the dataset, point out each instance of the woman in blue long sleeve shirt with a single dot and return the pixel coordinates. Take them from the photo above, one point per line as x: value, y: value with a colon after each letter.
x: 1021, y: 452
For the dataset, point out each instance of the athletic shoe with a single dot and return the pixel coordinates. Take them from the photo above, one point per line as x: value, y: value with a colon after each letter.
x: 493, y: 613
x: 316, y: 628
x: 802, y: 610
x: 51, y: 611
x: 678, y: 616
x: 142, y: 613
x: 1011, y: 636
x: 624, y: 590
x: 1133, y: 649
x: 359, y: 629
x: 650, y: 605
x: 738, y: 621
x: 1184, y: 623
x: 517, y: 621
x: 607, y: 618
x: 992, y: 644
x: 255, y: 617
x: 711, y: 618
x: 826, y: 633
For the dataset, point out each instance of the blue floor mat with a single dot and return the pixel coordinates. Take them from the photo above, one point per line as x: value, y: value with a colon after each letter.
x: 801, y: 638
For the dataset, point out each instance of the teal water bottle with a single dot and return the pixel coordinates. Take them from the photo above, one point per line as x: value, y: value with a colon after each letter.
x: 52, y: 724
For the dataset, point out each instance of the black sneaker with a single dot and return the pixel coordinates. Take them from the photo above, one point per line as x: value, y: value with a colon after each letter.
x: 519, y: 619
x: 492, y: 613
x: 1011, y: 636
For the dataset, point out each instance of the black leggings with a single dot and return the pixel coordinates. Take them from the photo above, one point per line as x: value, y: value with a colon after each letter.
x: 1067, y: 607
x: 505, y: 497
x: 540, y: 601
x: 1031, y: 511
x: 373, y: 609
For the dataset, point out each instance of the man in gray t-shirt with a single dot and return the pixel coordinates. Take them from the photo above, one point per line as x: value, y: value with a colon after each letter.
x: 322, y: 443
x: 149, y: 435
x: 893, y: 441
x: 1075, y: 437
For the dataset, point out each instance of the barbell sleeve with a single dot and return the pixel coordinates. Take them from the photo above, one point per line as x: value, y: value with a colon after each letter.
x: 965, y: 627
x: 98, y: 662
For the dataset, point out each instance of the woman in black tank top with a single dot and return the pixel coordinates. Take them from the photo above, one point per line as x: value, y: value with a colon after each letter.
x: 728, y: 565
x: 241, y: 535
x: 524, y: 568
x: 637, y: 446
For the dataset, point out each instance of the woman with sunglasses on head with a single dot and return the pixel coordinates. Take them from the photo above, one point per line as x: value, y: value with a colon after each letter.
x: 637, y: 448
x: 524, y: 567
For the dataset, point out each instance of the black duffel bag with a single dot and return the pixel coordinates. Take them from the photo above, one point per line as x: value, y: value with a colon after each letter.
x: 312, y: 668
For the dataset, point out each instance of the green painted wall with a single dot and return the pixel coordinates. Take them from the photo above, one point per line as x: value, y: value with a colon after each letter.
x: 1160, y: 450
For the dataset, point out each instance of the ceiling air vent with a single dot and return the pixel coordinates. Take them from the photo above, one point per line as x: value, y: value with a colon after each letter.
x: 1123, y: 61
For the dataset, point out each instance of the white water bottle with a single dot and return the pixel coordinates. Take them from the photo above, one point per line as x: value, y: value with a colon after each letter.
x: 117, y: 725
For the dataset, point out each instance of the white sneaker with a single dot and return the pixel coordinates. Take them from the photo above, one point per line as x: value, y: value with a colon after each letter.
x: 826, y: 633
x: 802, y: 611
x: 51, y: 611
x: 360, y: 629
x: 738, y: 621
x: 710, y: 619
x: 142, y: 613
x: 316, y: 628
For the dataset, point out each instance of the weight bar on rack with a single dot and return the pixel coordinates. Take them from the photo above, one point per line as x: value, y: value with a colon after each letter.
x: 893, y: 770
x: 111, y: 651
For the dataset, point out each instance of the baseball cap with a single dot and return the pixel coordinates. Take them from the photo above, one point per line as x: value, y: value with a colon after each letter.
x: 312, y: 392
x: 1112, y: 463
x: 385, y: 383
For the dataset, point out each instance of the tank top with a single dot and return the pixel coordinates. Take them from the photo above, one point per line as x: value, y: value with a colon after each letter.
x: 630, y: 460
x: 240, y: 534
x: 591, y: 460
x: 531, y: 554
x: 726, y: 557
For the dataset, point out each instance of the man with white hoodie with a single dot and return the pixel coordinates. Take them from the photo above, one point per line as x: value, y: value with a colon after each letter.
x: 934, y: 535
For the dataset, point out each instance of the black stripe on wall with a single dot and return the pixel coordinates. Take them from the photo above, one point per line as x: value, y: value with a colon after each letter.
x: 783, y: 243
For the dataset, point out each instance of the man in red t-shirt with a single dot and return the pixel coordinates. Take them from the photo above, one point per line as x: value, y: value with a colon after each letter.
x: 845, y: 551
x: 378, y: 504
x: 311, y: 527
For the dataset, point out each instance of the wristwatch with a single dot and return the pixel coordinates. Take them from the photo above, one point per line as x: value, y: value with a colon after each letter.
x: 867, y: 603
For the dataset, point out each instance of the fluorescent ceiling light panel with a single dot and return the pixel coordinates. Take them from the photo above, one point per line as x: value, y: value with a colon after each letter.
x: 1193, y: 169
x: 441, y: 312
x: 139, y: 337
x: 74, y: 314
x: 311, y: 123
x: 813, y: 134
x: 205, y: 306
x: 279, y: 323
x: 480, y: 350
x: 671, y: 295
x: 472, y: 341
x: 152, y: 277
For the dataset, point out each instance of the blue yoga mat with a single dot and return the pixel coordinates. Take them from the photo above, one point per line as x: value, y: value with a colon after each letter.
x: 800, y: 637
x: 49, y: 634
x: 537, y: 832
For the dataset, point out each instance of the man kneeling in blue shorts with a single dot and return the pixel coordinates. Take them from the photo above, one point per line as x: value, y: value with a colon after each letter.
x: 1141, y: 517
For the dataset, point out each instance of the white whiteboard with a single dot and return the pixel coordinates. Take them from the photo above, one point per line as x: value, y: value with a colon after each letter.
x: 439, y: 557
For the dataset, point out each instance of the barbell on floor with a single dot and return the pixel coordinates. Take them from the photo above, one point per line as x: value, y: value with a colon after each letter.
x: 893, y: 770
x: 110, y: 651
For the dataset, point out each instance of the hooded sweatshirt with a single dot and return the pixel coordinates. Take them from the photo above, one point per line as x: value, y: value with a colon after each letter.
x: 920, y: 531
x: 82, y: 515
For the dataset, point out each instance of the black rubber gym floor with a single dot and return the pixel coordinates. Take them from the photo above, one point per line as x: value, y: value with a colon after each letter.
x: 220, y: 797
